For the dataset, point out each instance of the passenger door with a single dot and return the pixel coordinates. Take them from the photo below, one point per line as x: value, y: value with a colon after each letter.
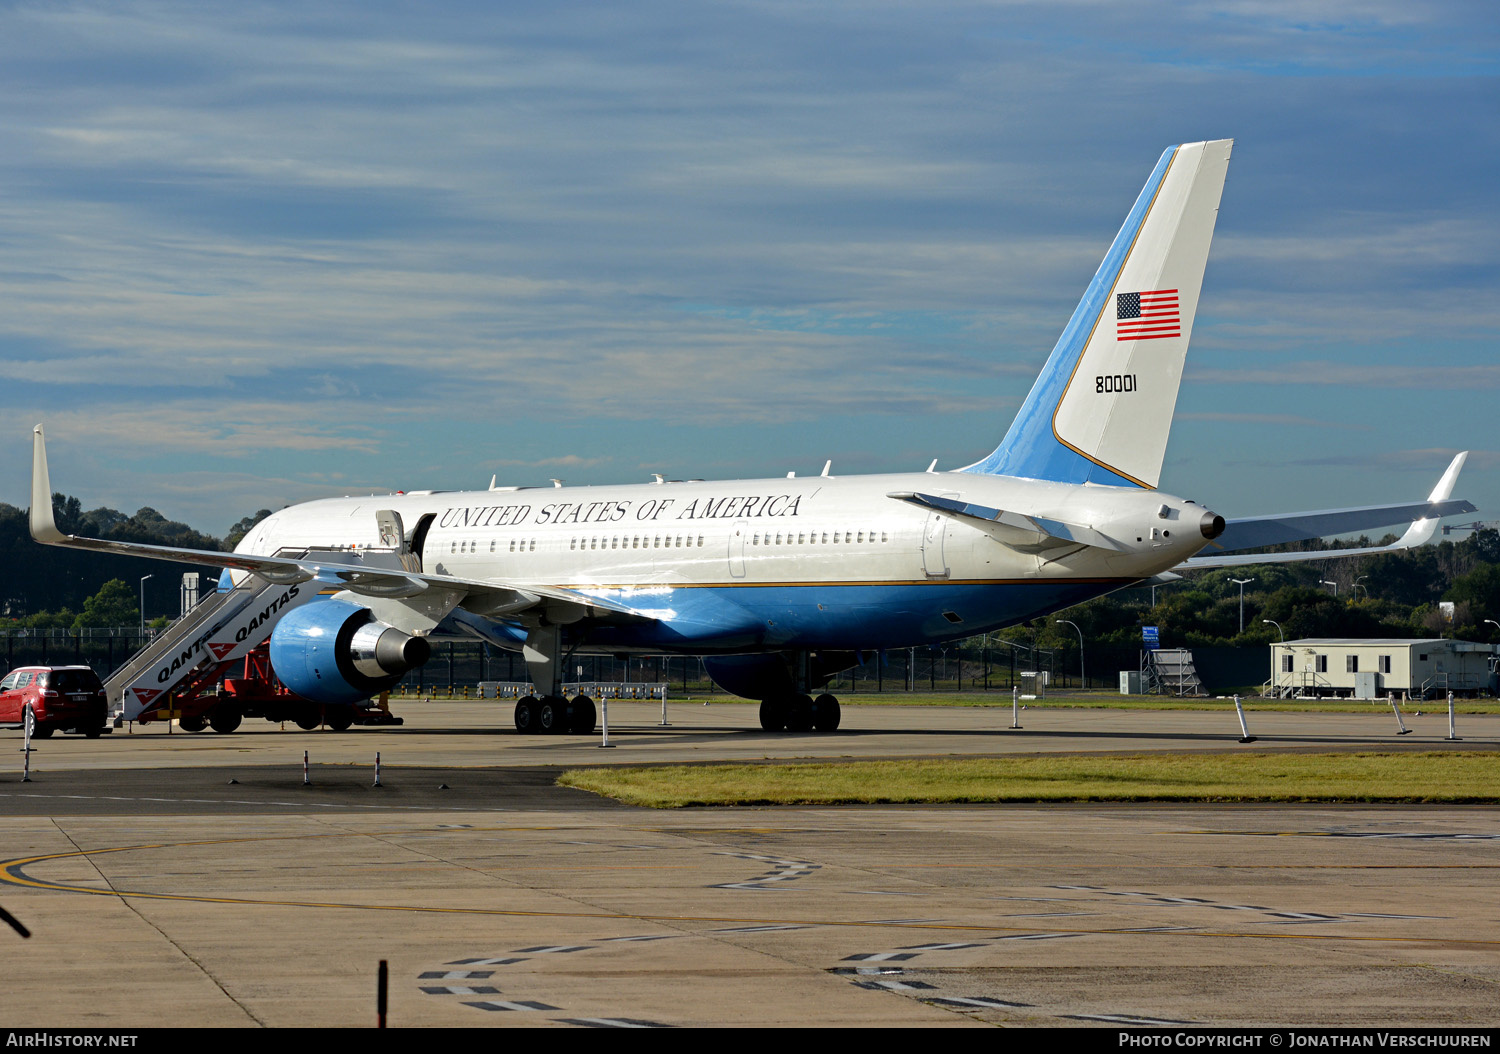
x: 737, y: 549
x: 934, y: 560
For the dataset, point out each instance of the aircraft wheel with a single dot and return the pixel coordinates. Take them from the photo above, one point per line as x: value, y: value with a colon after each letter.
x: 799, y: 714
x: 584, y: 715
x: 552, y: 716
x: 224, y: 719
x: 193, y: 723
x: 307, y: 720
x: 826, y: 713
x: 340, y: 719
x: 772, y: 714
x: 527, y: 708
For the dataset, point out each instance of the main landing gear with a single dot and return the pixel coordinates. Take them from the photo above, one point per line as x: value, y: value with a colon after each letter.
x: 799, y: 712
x: 554, y: 715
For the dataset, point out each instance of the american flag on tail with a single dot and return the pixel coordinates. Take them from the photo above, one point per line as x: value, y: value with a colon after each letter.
x: 1147, y: 315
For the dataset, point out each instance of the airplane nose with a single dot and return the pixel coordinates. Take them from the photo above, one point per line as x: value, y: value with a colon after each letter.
x: 1212, y: 525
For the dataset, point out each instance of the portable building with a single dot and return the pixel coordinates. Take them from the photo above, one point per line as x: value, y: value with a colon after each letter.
x: 1375, y: 668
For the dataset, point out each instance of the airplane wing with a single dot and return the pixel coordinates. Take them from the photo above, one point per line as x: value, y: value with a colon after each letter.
x: 1255, y: 531
x: 1030, y: 529
x: 342, y: 569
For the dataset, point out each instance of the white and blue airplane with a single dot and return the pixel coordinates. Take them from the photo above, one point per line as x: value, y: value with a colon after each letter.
x: 779, y: 583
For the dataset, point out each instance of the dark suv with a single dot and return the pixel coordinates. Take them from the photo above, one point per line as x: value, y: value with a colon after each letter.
x: 46, y: 698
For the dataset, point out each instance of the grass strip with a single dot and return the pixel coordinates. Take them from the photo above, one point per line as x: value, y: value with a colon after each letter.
x: 1448, y: 777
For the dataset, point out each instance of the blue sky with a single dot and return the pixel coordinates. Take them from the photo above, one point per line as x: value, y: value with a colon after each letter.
x: 252, y: 254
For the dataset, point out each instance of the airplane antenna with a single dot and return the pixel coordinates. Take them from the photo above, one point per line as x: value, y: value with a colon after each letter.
x: 791, y: 475
x: 827, y: 465
x: 493, y: 480
x: 658, y: 476
x: 557, y: 483
x: 932, y: 467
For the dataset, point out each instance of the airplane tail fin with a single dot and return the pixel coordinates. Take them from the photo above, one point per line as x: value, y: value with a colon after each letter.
x: 1102, y: 408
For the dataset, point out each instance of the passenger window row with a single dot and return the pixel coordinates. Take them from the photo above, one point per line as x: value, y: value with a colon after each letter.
x: 639, y: 541
x: 815, y: 538
x: 679, y: 541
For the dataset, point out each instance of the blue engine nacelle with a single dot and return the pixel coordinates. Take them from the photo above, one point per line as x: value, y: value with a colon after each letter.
x: 336, y: 652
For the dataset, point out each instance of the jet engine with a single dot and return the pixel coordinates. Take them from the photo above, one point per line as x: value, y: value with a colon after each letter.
x: 336, y: 652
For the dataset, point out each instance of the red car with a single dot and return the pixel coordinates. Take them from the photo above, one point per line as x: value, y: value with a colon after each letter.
x: 46, y: 698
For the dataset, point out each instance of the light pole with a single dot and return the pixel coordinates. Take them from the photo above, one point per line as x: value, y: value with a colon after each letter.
x: 1242, y: 583
x: 1082, y: 677
x: 1274, y: 668
x: 1325, y: 582
x: 143, y: 606
x: 1358, y: 586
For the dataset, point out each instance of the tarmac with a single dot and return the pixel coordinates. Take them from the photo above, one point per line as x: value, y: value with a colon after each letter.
x: 196, y: 880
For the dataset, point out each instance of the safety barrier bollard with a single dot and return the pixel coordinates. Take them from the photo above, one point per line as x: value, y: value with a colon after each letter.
x: 664, y: 709
x: 26, y: 752
x: 1452, y: 734
x: 604, y: 720
x: 381, y: 983
x: 1015, y: 707
x: 1245, y: 736
x: 1399, y: 723
x: 306, y: 782
x: 377, y: 768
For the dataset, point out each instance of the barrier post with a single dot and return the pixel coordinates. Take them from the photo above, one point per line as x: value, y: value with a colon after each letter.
x: 604, y: 718
x: 1399, y: 723
x: 1015, y: 707
x: 377, y: 768
x: 1452, y: 734
x: 380, y: 1000
x: 664, y: 707
x: 305, y: 781
x: 26, y: 752
x: 1245, y: 736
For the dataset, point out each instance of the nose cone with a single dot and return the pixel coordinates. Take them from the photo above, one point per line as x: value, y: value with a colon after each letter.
x: 1212, y: 525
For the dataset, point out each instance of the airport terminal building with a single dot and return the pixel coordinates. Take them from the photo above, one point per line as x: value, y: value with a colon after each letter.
x: 1426, y: 667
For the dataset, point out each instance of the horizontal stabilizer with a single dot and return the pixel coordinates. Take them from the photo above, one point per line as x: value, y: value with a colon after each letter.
x: 1045, y: 527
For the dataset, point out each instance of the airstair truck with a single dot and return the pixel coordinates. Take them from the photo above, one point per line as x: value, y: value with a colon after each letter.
x: 211, y: 667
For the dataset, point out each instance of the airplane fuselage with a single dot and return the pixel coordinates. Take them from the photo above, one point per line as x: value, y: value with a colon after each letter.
x: 812, y: 562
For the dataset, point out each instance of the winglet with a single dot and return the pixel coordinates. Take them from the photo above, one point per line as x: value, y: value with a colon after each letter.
x: 43, y: 526
x: 1421, y: 531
